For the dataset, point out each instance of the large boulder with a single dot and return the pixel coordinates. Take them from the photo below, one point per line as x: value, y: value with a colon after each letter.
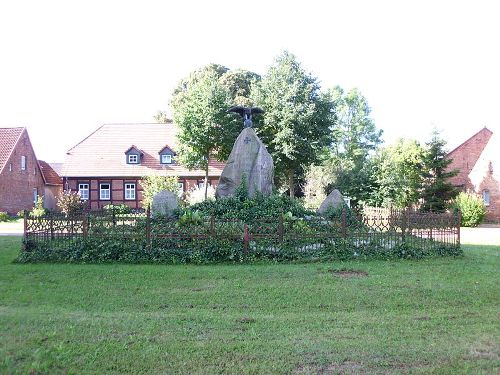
x: 334, y: 200
x: 164, y: 203
x: 248, y: 158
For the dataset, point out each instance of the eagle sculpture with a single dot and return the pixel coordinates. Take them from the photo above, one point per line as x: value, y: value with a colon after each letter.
x: 246, y: 113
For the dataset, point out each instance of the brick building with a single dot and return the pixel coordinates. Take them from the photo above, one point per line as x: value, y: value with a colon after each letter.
x: 21, y: 178
x: 108, y: 165
x: 478, y: 163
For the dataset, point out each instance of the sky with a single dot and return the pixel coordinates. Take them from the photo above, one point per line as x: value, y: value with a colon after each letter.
x: 67, y: 67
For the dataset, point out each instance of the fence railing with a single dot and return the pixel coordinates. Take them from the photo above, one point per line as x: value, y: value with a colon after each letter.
x: 374, y: 230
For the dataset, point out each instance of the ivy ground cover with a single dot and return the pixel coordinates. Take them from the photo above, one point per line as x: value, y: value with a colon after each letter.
x: 437, y: 315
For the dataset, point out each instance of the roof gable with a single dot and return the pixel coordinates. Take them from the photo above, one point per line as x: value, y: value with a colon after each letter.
x: 9, y: 138
x: 102, y: 153
x: 167, y: 150
x: 49, y: 174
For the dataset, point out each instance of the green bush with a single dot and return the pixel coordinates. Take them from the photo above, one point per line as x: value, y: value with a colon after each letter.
x: 70, y: 203
x: 251, y: 209
x: 120, y: 209
x: 38, y: 210
x: 472, y: 209
x: 4, y: 216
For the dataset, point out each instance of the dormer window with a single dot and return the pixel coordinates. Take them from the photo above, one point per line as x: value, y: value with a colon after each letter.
x: 166, y: 159
x: 133, y: 155
x: 166, y: 155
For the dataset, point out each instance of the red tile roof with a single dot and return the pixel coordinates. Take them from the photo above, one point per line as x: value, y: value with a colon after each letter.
x: 102, y: 153
x: 49, y: 174
x: 8, y: 140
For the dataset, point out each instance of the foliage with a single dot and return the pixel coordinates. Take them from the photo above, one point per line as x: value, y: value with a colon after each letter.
x: 398, y: 174
x: 317, y: 179
x: 437, y: 191
x: 190, y: 217
x: 251, y: 209
x: 239, y: 85
x: 152, y: 185
x: 20, y: 214
x: 296, y: 121
x: 353, y: 139
x: 4, y: 216
x: 200, y: 104
x: 162, y: 118
x: 38, y: 210
x: 471, y: 207
x: 70, y: 203
x: 120, y: 209
x: 197, y: 194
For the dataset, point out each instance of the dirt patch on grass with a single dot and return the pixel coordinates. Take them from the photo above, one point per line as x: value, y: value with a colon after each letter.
x: 348, y: 273
x: 246, y: 320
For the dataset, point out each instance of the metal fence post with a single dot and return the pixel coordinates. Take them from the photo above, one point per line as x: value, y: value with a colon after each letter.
x: 148, y: 228
x: 344, y: 224
x: 246, y: 239
x: 25, y: 220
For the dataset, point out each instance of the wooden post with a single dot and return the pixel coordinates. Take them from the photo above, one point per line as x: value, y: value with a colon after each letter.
x: 148, y: 228
x: 25, y: 220
x: 281, y: 228
x: 51, y: 227
x: 344, y: 224
x: 246, y: 239
x: 85, y: 225
x: 459, y: 218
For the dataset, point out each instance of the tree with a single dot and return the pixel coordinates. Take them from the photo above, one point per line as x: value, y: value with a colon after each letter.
x: 152, y: 185
x: 199, y: 106
x: 239, y: 84
x: 437, y: 191
x: 297, y: 118
x: 398, y: 173
x: 353, y: 138
x: 162, y: 118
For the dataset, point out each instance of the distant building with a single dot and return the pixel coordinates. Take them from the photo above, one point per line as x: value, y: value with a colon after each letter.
x: 22, y: 176
x: 108, y: 165
x: 478, y: 163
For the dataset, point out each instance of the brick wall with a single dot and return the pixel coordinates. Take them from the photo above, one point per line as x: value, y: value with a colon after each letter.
x: 465, y: 157
x: 16, y: 185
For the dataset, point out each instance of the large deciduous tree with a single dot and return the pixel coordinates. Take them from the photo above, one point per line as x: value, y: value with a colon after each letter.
x: 199, y: 105
x: 297, y: 118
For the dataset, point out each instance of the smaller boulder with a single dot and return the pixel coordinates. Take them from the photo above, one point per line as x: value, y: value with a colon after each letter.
x: 333, y: 200
x: 164, y: 203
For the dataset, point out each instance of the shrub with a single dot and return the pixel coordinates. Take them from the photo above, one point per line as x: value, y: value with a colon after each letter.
x: 152, y: 185
x: 120, y: 209
x: 251, y: 209
x: 472, y: 208
x: 38, y: 210
x: 20, y: 214
x: 69, y: 202
x: 4, y: 216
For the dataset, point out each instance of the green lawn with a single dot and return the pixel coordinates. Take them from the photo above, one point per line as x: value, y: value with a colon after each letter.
x: 428, y: 316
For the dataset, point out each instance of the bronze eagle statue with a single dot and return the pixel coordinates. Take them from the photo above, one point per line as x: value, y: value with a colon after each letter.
x: 246, y: 113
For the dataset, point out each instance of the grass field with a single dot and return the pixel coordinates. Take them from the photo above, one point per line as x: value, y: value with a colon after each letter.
x: 428, y: 316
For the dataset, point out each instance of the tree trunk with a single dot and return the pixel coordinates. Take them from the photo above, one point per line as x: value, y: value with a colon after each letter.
x: 291, y: 184
x: 206, y: 181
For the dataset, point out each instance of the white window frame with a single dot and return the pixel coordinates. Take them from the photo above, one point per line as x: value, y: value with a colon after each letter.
x: 81, y: 189
x: 23, y: 163
x: 201, y: 184
x: 129, y: 191
x: 107, y: 192
x: 136, y: 159
x: 166, y: 159
x: 486, y: 197
x: 35, y: 195
x: 180, y: 186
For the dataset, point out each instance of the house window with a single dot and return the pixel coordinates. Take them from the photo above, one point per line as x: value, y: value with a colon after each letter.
x: 83, y: 190
x: 166, y: 159
x: 23, y: 163
x: 130, y: 191
x: 35, y: 195
x: 105, y: 192
x: 10, y: 167
x: 486, y: 197
x: 133, y: 159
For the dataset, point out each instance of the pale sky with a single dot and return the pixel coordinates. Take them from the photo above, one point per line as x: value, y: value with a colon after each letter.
x: 67, y: 67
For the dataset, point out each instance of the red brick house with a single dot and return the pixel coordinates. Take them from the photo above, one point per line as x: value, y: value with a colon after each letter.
x: 107, y: 166
x: 21, y: 178
x: 478, y: 162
